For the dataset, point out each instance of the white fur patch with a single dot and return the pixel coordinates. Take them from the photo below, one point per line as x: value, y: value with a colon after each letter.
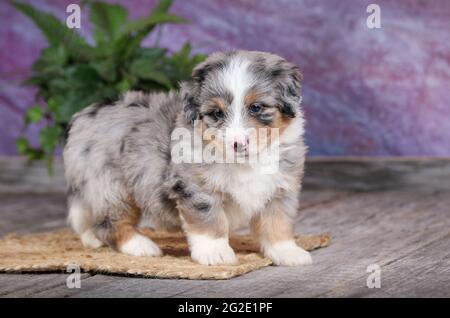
x: 286, y: 253
x: 294, y: 131
x: 207, y: 250
x: 140, y: 245
x: 248, y: 187
x: 237, y: 80
x: 78, y: 217
x: 89, y: 240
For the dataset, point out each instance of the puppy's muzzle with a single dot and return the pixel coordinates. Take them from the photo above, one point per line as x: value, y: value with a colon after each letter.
x: 241, y: 146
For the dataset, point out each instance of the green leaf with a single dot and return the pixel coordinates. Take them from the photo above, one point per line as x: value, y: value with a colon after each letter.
x: 72, y: 102
x: 56, y: 32
x: 136, y: 31
x: 163, y: 6
x: 151, y: 53
x: 106, y: 69
x: 158, y: 15
x: 179, y: 66
x: 22, y: 145
x: 71, y: 75
x: 54, y: 107
x: 34, y: 114
x: 23, y: 148
x: 35, y: 154
x: 147, y: 24
x: 75, y: 100
x: 144, y: 69
x: 107, y: 20
x: 80, y: 86
x: 124, y: 85
x: 49, y: 138
x: 74, y: 78
x: 82, y: 75
x: 52, y: 59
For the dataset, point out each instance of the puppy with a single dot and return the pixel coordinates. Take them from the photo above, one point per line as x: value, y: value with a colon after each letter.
x: 122, y: 174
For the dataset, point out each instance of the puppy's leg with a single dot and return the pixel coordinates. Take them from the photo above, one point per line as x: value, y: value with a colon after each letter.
x: 89, y: 239
x: 275, y: 229
x: 206, y: 226
x: 208, y: 237
x: 80, y: 218
x: 120, y: 232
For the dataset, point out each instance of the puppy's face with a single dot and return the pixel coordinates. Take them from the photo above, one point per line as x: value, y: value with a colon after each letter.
x: 242, y: 96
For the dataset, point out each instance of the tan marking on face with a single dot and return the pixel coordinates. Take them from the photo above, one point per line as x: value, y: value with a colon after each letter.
x: 279, y: 122
x: 214, y: 136
x: 251, y: 97
x: 273, y: 225
x: 219, y: 103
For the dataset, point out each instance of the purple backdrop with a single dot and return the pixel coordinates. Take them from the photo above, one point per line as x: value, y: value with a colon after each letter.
x: 366, y: 91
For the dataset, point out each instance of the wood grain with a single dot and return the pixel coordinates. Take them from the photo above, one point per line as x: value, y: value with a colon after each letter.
x: 343, y: 173
x: 404, y: 229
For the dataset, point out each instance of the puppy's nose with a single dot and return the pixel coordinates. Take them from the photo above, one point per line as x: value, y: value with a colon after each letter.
x: 240, y: 146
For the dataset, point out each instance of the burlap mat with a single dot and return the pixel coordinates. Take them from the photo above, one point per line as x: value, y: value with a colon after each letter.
x: 53, y: 251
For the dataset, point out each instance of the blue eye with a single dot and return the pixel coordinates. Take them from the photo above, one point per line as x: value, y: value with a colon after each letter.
x: 255, y: 108
x: 218, y: 114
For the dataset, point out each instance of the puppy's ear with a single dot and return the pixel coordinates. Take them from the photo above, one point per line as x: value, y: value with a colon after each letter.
x: 289, y: 90
x: 201, y: 70
x: 190, y: 91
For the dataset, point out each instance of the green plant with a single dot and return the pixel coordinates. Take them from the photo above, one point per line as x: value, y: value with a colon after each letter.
x: 70, y: 73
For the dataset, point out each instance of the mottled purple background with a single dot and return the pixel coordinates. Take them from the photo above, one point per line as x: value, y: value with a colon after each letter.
x: 366, y: 91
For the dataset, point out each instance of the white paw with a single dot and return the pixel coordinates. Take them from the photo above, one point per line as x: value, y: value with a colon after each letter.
x: 89, y: 240
x: 211, y: 251
x: 140, y: 245
x: 287, y: 253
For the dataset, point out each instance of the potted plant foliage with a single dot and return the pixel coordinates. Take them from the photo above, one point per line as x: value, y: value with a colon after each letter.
x: 71, y: 73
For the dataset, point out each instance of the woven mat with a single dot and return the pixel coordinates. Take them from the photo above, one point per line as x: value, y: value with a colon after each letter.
x: 54, y: 251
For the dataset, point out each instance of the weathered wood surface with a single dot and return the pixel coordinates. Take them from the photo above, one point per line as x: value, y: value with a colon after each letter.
x: 406, y: 233
x: 19, y: 176
x: 345, y: 173
x: 405, y: 230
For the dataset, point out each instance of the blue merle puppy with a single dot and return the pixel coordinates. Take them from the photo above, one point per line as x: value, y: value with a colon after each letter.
x: 121, y: 174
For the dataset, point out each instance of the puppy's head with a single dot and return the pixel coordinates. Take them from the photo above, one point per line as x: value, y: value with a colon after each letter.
x: 236, y: 93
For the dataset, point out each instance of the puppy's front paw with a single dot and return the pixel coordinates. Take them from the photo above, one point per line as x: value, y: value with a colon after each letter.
x: 140, y: 245
x: 89, y: 239
x: 211, y: 251
x: 287, y: 253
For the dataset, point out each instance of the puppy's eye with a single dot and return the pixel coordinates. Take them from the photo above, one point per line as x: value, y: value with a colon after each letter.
x: 255, y: 108
x: 217, y: 114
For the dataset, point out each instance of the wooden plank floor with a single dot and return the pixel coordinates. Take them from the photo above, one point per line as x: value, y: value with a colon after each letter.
x: 403, y: 229
x: 405, y: 233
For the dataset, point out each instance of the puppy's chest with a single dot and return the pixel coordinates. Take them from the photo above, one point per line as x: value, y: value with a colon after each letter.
x: 249, y: 189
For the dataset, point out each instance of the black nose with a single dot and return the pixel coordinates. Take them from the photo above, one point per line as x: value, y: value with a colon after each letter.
x: 238, y: 147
